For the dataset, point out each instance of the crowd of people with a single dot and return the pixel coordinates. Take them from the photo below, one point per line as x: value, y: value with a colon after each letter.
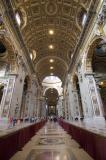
x: 16, y: 121
x: 13, y: 121
x: 52, y: 118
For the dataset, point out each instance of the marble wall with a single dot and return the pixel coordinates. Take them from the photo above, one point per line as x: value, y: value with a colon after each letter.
x: 89, y: 104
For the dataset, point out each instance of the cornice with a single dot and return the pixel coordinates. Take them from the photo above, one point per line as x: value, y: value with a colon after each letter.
x: 91, y: 16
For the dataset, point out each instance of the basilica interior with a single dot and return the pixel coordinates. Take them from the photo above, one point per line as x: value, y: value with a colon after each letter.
x: 52, y: 79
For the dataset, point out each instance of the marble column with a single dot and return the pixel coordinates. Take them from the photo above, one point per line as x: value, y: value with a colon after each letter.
x: 6, y: 106
x: 95, y: 96
x: 85, y: 95
x: 74, y: 106
x: 60, y: 107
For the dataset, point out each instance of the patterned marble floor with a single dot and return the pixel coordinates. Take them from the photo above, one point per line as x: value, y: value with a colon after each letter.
x: 51, y: 143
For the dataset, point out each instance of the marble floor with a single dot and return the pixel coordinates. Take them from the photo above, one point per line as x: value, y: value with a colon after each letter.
x: 51, y: 143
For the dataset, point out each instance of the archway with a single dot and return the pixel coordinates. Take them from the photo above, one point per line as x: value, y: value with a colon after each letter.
x: 8, y: 68
x: 99, y: 68
x: 51, y: 97
x: 52, y: 82
x: 96, y: 65
x: 8, y: 56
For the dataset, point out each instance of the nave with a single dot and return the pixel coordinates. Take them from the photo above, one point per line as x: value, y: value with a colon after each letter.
x: 52, y: 66
x: 52, y: 143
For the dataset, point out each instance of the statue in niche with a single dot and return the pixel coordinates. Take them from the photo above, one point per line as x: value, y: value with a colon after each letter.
x: 2, y: 27
x: 1, y: 20
x: 102, y: 20
x: 1, y: 23
x: 93, y: 90
x: 94, y: 99
x: 97, y: 110
x: 7, y: 68
x: 96, y: 107
x: 20, y: 62
x: 90, y: 81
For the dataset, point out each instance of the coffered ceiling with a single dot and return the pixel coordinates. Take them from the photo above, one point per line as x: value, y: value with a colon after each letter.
x: 51, y: 22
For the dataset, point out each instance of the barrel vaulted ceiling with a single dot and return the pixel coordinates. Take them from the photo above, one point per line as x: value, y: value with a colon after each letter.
x: 64, y: 18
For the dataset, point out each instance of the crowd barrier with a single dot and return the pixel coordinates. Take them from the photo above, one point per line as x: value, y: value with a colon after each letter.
x: 13, y: 142
x: 94, y: 144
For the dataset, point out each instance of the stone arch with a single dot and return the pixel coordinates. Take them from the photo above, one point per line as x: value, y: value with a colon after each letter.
x: 95, y: 64
x: 49, y: 88
x: 8, y: 57
x: 51, y: 97
x: 43, y: 65
x: 54, y: 57
x: 55, y: 89
x: 52, y: 82
x: 90, y: 53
